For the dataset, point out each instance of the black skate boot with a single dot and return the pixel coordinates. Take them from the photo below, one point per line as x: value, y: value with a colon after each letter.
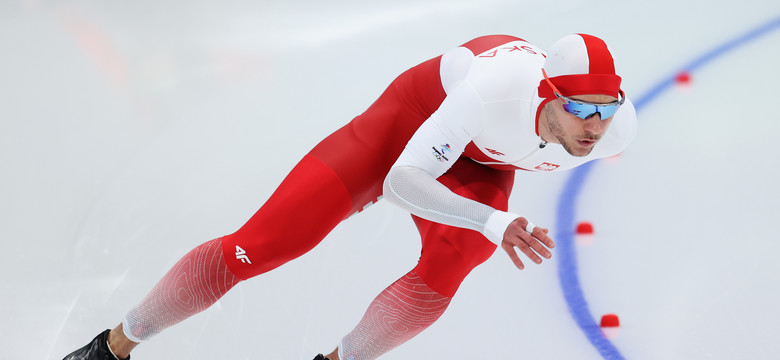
x: 321, y: 357
x: 97, y: 349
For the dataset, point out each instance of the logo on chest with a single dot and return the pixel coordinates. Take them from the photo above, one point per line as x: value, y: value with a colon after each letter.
x: 494, y: 152
x: 547, y: 167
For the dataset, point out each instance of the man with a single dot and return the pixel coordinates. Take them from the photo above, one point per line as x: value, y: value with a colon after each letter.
x: 443, y: 142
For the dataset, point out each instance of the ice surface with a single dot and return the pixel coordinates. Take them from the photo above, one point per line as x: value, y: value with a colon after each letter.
x: 132, y: 131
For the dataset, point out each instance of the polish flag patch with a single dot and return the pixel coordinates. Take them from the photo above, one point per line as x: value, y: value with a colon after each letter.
x: 547, y: 167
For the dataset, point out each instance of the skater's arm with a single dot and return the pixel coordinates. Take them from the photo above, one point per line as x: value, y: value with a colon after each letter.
x: 418, y: 192
x: 434, y: 148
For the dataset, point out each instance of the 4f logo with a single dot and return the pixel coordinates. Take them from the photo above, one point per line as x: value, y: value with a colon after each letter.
x: 438, y: 152
x: 547, y: 167
x: 495, y: 152
x: 241, y: 255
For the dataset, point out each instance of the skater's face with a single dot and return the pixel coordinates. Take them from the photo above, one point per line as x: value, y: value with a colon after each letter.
x: 578, y: 136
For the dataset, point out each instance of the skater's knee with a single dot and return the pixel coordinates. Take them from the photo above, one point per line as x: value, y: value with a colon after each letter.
x: 449, y: 254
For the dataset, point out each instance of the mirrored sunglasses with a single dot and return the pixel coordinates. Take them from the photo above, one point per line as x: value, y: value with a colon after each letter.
x: 584, y: 109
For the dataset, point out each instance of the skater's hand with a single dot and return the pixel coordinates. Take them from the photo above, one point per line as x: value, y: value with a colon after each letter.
x: 530, y: 244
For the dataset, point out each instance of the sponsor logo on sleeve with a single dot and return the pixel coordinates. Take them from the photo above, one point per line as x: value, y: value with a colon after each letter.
x: 440, y: 151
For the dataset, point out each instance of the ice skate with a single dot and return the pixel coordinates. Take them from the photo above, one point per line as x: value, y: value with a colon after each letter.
x: 97, y: 349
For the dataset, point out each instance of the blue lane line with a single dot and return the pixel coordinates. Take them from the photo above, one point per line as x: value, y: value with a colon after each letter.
x: 567, y: 203
x: 708, y: 57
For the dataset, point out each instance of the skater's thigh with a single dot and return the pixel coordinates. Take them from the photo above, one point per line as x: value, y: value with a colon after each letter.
x: 450, y: 253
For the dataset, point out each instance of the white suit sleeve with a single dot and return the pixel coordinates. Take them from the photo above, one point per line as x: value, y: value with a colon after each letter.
x: 434, y: 148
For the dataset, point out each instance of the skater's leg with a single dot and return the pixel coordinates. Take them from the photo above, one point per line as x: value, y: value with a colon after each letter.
x: 417, y: 300
x: 272, y: 237
x: 196, y: 282
x: 307, y: 205
x: 400, y: 312
x: 450, y: 253
x: 339, y: 177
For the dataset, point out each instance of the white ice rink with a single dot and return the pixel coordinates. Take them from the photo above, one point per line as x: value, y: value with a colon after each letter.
x: 132, y: 131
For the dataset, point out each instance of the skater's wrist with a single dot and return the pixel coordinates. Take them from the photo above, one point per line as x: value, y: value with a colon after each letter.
x: 497, y: 224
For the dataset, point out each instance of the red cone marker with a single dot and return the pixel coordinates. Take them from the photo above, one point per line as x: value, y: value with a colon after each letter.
x: 584, y: 234
x: 610, y: 320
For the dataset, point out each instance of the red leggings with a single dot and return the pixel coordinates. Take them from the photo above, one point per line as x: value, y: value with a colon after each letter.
x: 344, y: 173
